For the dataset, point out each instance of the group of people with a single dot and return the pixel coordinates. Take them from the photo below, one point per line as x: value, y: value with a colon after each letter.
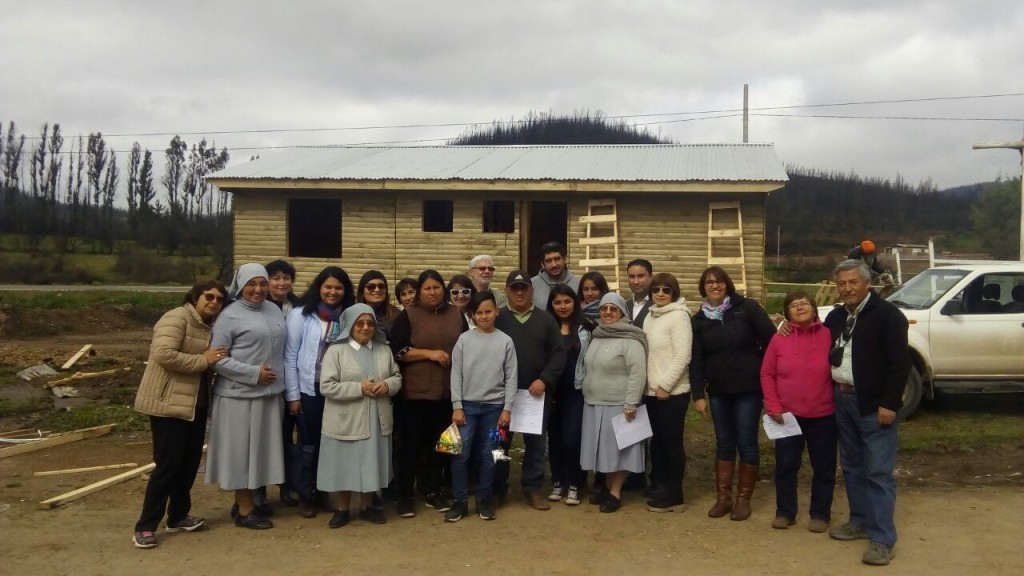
x: 341, y: 392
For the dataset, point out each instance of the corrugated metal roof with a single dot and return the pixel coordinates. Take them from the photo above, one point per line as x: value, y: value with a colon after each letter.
x: 622, y: 163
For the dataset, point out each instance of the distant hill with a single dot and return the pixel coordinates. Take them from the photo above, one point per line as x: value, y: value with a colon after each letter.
x: 970, y: 191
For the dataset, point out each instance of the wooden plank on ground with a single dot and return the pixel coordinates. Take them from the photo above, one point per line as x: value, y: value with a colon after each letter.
x: 85, y: 376
x: 86, y: 469
x: 78, y: 356
x: 67, y: 438
x: 52, y: 503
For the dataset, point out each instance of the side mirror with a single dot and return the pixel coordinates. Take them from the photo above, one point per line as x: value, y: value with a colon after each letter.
x: 952, y: 308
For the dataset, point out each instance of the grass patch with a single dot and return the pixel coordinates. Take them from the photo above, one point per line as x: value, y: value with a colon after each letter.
x: 21, y: 407
x: 959, y: 431
x: 75, y: 300
x: 126, y: 418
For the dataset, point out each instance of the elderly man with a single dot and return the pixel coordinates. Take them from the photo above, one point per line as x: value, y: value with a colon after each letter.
x: 554, y: 270
x: 541, y: 357
x: 870, y: 363
x: 481, y: 272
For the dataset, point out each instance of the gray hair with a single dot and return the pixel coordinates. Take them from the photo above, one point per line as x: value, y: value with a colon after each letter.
x: 858, y: 265
x: 473, y: 262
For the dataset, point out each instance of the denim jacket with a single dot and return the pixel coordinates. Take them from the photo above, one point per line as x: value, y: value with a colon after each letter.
x: 301, y: 349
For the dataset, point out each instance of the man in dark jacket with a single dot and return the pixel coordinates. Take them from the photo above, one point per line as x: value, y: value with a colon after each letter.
x: 870, y: 364
x: 541, y: 359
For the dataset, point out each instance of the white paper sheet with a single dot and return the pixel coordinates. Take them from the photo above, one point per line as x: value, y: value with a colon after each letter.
x: 629, y: 433
x: 789, y: 426
x: 527, y: 413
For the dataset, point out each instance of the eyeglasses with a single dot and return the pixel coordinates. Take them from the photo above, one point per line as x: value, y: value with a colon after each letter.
x: 799, y: 304
x: 659, y: 289
x: 610, y: 308
x: 213, y: 297
x: 714, y: 283
x: 485, y: 268
x: 375, y: 286
x: 365, y: 324
x: 460, y: 291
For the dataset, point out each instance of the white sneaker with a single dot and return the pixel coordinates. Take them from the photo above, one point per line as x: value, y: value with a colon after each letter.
x: 556, y: 493
x: 573, y: 497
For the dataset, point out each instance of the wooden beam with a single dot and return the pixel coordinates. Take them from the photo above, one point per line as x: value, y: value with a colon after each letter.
x: 85, y: 376
x: 86, y: 469
x: 52, y: 503
x: 66, y: 438
x: 78, y: 356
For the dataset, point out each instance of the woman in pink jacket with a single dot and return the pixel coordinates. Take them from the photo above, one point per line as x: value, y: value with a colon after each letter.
x: 796, y: 377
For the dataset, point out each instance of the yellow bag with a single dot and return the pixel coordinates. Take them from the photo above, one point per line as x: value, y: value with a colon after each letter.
x: 450, y: 441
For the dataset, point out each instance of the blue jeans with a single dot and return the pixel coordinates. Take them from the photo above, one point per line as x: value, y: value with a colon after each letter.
x: 736, y: 418
x: 480, y: 420
x: 867, y: 453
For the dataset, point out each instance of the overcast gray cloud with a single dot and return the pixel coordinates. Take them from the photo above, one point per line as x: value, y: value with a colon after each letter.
x: 139, y: 67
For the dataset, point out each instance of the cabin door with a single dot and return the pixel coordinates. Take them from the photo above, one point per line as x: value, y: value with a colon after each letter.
x: 542, y: 221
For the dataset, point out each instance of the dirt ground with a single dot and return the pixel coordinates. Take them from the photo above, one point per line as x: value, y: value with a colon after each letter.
x: 958, y: 512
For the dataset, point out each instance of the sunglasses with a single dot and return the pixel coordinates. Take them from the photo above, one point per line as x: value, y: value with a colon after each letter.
x: 661, y: 290
x: 460, y: 291
x: 365, y: 324
x: 213, y: 297
x: 485, y: 268
x: 610, y: 308
x: 375, y: 286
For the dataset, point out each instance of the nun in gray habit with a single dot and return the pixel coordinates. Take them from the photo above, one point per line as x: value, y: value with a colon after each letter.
x: 358, y: 377
x: 245, y: 450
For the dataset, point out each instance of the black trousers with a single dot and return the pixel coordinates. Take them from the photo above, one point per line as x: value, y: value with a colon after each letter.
x: 177, y: 451
x: 821, y: 437
x: 421, y: 423
x: 668, y: 455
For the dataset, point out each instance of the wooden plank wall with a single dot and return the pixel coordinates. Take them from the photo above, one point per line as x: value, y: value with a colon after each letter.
x: 670, y: 230
x: 381, y: 230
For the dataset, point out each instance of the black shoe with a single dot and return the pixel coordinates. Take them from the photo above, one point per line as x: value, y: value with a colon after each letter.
x: 377, y: 503
x: 253, y: 522
x: 438, y: 502
x: 406, y: 509
x: 485, y: 509
x: 456, y: 512
x: 260, y: 502
x: 600, y: 497
x: 234, y: 511
x: 339, y: 519
x: 611, y: 504
x: 372, y: 515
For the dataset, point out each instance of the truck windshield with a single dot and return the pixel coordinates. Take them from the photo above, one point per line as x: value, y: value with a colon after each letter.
x: 923, y: 290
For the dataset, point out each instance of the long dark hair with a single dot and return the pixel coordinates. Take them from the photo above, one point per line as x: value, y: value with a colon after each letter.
x: 431, y: 274
x: 384, y: 310
x: 597, y: 278
x: 311, y: 297
x: 577, y: 320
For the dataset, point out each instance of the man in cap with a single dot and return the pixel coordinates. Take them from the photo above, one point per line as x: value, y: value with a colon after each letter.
x: 541, y: 359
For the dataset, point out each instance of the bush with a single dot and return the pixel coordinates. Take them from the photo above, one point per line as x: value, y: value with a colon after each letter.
x: 152, y: 269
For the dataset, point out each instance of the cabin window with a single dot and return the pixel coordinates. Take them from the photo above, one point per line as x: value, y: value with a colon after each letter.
x: 314, y: 228
x: 438, y: 215
x: 499, y: 216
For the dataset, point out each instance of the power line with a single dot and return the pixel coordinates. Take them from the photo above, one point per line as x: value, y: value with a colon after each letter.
x: 731, y: 111
x: 937, y: 118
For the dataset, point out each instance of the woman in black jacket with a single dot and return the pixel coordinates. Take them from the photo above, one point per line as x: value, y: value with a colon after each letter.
x: 730, y: 334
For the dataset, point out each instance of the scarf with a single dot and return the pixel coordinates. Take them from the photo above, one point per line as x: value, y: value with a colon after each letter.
x: 332, y: 317
x: 621, y: 329
x: 593, y: 310
x: 715, y: 312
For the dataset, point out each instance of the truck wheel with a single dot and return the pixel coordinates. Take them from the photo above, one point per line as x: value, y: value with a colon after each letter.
x: 912, y: 394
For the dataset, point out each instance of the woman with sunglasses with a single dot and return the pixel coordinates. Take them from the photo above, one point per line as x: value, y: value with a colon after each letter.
x: 312, y: 327
x: 730, y: 333
x: 796, y: 377
x: 373, y: 291
x: 667, y: 396
x: 175, y: 393
x: 460, y: 291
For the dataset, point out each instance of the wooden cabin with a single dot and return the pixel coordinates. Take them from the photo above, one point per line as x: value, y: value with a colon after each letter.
x: 401, y: 210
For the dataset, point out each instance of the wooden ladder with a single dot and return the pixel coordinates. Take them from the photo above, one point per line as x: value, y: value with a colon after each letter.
x: 601, y: 242
x: 725, y: 242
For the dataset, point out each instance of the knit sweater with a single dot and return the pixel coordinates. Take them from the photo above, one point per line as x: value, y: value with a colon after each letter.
x: 616, y: 370
x: 254, y: 336
x: 484, y: 369
x: 540, y: 353
x: 171, y: 381
x: 427, y: 329
x: 796, y: 376
x: 346, y: 410
x: 670, y: 342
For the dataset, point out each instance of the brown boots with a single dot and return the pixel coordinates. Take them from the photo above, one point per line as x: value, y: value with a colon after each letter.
x: 744, y: 490
x: 723, y: 481
x: 724, y: 471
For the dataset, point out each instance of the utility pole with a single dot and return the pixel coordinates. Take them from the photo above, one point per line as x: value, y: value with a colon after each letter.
x: 1019, y: 147
x: 778, y: 242
x: 746, y: 114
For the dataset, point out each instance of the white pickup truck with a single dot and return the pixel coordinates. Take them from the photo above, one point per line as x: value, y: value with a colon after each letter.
x: 966, y: 329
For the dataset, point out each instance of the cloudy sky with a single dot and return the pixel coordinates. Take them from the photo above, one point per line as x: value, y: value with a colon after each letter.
x: 292, y: 73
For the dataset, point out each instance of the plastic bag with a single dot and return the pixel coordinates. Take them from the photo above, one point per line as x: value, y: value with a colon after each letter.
x: 450, y: 441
